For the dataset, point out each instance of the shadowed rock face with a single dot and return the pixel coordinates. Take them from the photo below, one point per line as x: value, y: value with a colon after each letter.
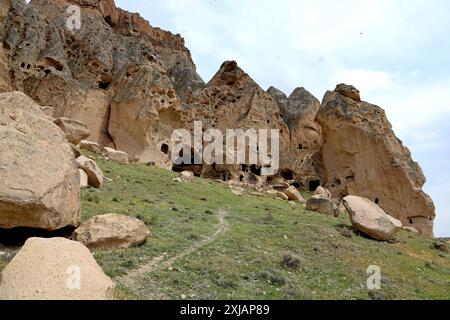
x: 73, y: 71
x: 362, y: 156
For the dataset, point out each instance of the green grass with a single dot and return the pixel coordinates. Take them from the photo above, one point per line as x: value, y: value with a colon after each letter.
x: 245, y: 262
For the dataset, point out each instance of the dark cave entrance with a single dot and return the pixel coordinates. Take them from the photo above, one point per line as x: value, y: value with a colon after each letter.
x: 313, y: 185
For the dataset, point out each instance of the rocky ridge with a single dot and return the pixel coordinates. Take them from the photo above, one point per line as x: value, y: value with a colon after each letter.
x: 133, y: 84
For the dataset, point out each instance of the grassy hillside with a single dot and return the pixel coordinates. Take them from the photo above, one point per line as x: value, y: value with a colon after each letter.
x: 208, y: 243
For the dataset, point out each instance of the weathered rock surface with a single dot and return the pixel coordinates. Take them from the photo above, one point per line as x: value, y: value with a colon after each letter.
x: 48, y: 269
x: 321, y: 204
x: 369, y: 218
x: 84, y: 180
x: 187, y: 176
x: 92, y: 146
x: 293, y: 194
x: 40, y: 185
x: 112, y: 231
x: 133, y: 84
x: 74, y: 130
x: 117, y: 156
x: 93, y: 171
x: 362, y: 156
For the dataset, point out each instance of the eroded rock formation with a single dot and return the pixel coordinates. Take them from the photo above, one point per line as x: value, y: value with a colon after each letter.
x: 362, y: 156
x: 133, y: 84
x: 39, y: 181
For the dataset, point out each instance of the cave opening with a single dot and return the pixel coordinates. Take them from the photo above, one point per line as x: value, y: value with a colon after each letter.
x: 165, y: 148
x: 313, y: 185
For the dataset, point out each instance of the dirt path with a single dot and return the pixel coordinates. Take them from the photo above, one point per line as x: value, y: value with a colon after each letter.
x: 133, y: 278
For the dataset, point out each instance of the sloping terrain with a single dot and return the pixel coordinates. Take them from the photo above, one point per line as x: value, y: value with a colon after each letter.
x: 208, y: 243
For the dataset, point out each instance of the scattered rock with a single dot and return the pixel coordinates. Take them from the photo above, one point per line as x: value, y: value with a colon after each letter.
x: 321, y: 204
x: 370, y: 219
x: 362, y: 155
x: 291, y: 261
x: 112, y: 231
x: 74, y: 130
x: 92, y: 146
x: 117, y: 156
x: 237, y: 190
x: 48, y: 269
x: 95, y: 174
x: 282, y: 196
x: 411, y: 229
x: 187, y: 176
x: 321, y: 191
x: 84, y: 180
x: 293, y: 194
x: 39, y: 185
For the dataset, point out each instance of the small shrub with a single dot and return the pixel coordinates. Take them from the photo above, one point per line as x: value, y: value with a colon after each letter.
x: 291, y: 261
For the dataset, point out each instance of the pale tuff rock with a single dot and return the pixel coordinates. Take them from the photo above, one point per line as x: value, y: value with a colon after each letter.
x: 92, y: 147
x: 93, y: 171
x: 369, y: 218
x: 117, y: 156
x: 74, y: 130
x: 187, y: 176
x: 362, y: 156
x: 321, y: 191
x: 321, y: 204
x: 133, y: 84
x: 293, y: 194
x: 112, y: 231
x: 84, y: 180
x: 54, y: 269
x: 40, y: 185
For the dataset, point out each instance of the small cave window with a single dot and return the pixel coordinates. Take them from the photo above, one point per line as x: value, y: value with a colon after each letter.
x: 411, y: 221
x: 313, y: 185
x: 287, y: 175
x: 165, y: 148
x: 241, y: 178
x: 377, y: 201
x: 103, y: 85
x: 300, y: 146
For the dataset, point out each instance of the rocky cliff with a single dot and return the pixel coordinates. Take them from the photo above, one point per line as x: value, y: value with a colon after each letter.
x: 133, y: 84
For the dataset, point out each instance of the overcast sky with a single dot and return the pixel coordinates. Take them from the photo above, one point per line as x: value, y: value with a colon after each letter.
x: 396, y: 52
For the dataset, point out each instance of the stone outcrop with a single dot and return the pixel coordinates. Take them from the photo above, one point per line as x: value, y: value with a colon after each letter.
x: 133, y: 84
x: 369, y: 218
x: 112, y: 231
x: 117, y: 156
x: 362, y: 156
x: 54, y: 269
x: 40, y: 185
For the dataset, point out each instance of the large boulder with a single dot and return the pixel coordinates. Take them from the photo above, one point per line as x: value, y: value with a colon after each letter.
x: 370, y: 219
x: 74, y: 130
x: 54, y: 269
x: 112, y: 231
x: 361, y: 155
x: 93, y: 171
x: 40, y: 185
